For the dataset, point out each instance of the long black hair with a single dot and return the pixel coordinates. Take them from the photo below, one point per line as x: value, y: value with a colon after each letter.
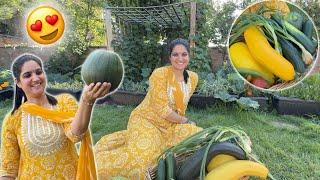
x: 174, y: 43
x: 16, y: 71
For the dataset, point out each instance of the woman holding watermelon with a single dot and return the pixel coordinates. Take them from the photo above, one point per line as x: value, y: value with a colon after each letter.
x: 157, y: 123
x: 38, y: 136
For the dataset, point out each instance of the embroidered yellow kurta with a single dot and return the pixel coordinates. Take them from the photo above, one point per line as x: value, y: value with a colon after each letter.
x: 130, y: 152
x: 34, y: 148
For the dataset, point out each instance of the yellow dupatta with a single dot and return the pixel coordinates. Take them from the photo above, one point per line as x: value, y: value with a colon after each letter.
x: 86, y: 169
x: 177, y: 93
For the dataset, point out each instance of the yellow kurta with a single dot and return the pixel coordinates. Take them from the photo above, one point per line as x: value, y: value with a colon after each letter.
x: 34, y: 148
x: 130, y: 152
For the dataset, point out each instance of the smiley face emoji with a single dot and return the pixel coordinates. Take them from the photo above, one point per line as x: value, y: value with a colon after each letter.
x: 45, y: 25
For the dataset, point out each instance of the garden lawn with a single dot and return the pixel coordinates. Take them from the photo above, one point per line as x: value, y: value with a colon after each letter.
x: 288, y: 145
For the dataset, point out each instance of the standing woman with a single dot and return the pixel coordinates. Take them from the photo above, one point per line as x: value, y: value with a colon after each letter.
x: 158, y: 123
x: 39, y: 134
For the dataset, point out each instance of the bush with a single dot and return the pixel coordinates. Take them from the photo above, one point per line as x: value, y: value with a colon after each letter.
x: 224, y: 80
x: 307, y: 89
x: 5, y: 78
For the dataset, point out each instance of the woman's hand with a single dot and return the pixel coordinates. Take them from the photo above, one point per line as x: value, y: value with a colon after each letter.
x: 90, y: 94
x: 94, y: 91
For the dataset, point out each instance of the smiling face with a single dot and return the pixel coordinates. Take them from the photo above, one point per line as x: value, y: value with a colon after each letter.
x: 32, y: 80
x: 45, y: 25
x: 179, y: 57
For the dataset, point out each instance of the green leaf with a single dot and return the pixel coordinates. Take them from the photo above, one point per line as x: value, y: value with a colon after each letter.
x: 246, y: 103
x: 225, y: 97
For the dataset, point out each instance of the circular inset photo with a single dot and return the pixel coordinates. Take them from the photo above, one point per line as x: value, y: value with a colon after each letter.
x: 273, y: 45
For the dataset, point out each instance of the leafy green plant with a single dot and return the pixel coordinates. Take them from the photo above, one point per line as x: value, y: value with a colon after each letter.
x: 140, y: 87
x: 224, y: 83
x: 308, y: 89
x: 5, y: 76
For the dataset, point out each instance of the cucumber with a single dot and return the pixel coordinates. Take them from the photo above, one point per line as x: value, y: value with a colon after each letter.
x: 295, y: 19
x: 298, y: 35
x: 292, y: 54
x: 308, y: 28
x: 161, y: 170
x: 170, y: 166
x: 190, y: 169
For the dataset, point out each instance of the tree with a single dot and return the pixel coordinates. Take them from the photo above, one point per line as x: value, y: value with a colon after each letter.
x: 9, y: 8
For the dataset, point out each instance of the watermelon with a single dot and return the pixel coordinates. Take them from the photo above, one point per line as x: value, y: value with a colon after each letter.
x: 103, y: 66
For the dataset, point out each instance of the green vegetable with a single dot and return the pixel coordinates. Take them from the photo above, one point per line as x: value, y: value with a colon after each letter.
x: 295, y: 19
x: 300, y: 37
x: 161, y: 170
x: 103, y: 66
x: 292, y: 54
x: 279, y: 25
x: 255, y: 19
x: 190, y: 169
x: 170, y: 166
x: 207, y: 137
x: 308, y: 28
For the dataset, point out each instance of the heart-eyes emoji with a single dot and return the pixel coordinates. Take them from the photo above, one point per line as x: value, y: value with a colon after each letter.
x: 45, y: 25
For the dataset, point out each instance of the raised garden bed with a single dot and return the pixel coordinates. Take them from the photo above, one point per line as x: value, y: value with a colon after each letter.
x: 283, y: 105
x: 201, y: 101
x: 197, y: 100
x: 294, y: 106
x: 264, y: 102
x: 133, y: 98
x: 127, y: 98
x: 6, y: 94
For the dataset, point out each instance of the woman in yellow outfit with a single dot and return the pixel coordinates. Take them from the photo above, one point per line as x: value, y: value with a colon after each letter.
x: 156, y: 124
x: 38, y: 136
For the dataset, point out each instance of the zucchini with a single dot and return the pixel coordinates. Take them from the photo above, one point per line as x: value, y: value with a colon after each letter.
x: 219, y: 160
x: 161, y: 170
x: 245, y: 63
x: 292, y: 54
x: 308, y: 28
x: 170, y: 166
x: 265, y: 55
x: 295, y: 19
x: 190, y: 169
x: 296, y: 33
x: 237, y: 169
x: 299, y: 36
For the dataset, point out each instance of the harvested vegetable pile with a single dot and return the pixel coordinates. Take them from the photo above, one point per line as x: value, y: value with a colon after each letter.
x: 273, y: 45
x: 213, y: 153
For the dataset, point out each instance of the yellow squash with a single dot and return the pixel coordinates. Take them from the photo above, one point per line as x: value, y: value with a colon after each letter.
x: 219, y: 160
x: 266, y: 56
x: 236, y: 169
x: 245, y: 63
x: 5, y: 84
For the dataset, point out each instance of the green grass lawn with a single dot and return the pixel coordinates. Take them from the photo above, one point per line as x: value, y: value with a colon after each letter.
x: 288, y: 145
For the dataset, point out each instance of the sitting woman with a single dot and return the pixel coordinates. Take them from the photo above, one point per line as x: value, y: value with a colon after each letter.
x: 38, y: 135
x: 158, y: 123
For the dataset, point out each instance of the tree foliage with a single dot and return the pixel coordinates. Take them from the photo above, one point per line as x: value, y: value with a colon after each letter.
x: 9, y: 8
x: 143, y: 47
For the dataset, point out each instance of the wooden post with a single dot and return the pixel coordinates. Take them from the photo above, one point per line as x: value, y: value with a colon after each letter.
x: 193, y: 23
x: 108, y: 28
